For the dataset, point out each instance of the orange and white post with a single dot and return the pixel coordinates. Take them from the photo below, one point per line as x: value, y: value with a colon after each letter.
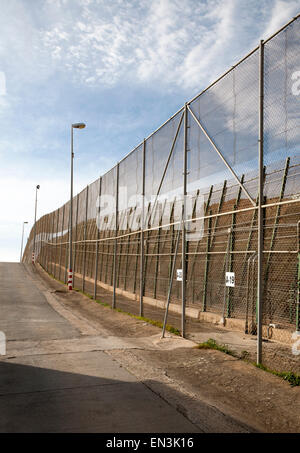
x: 70, y: 279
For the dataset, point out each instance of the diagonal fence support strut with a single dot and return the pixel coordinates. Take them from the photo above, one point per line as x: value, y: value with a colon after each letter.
x: 166, y: 165
x: 171, y: 283
x: 260, y: 236
x: 222, y: 157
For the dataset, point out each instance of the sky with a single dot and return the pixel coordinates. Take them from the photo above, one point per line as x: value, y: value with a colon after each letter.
x: 121, y: 66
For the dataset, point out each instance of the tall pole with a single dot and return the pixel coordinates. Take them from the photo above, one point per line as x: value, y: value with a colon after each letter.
x: 56, y: 234
x: 74, y: 256
x: 70, y: 272
x: 34, y: 234
x: 85, y: 237
x: 142, y: 254
x: 61, y: 239
x: 183, y: 287
x: 116, y: 241
x: 48, y: 239
x: 52, y: 242
x: 98, y: 237
x: 22, y: 242
x: 260, y: 203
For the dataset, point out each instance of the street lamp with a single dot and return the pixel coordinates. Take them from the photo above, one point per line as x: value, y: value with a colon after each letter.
x: 22, y: 242
x: 70, y: 272
x: 33, y: 251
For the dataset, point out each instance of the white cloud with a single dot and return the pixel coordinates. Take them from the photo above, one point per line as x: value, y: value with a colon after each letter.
x: 201, y: 61
x: 282, y: 12
x: 2, y: 84
x: 171, y: 43
x: 174, y: 43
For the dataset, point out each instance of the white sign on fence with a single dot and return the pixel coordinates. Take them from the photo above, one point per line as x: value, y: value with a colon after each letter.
x: 230, y: 279
x: 179, y: 275
x: 2, y: 343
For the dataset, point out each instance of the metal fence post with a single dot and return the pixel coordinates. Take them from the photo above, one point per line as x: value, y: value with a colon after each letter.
x: 97, y: 243
x: 116, y: 240
x: 142, y: 249
x: 183, y: 286
x: 298, y: 281
x: 84, y: 238
x: 260, y: 202
x: 57, y: 222
x: 75, y: 243
x: 48, y: 240
x: 45, y: 242
x: 52, y: 243
x: 67, y: 251
x: 171, y: 284
x: 41, y: 242
x: 61, y: 239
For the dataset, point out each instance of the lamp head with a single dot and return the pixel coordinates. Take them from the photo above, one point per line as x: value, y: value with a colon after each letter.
x: 78, y: 125
x: 38, y: 186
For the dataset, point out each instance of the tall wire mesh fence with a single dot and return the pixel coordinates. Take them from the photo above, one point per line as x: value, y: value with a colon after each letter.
x: 188, y: 198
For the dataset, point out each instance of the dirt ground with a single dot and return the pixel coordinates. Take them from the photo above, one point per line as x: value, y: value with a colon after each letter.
x: 252, y: 396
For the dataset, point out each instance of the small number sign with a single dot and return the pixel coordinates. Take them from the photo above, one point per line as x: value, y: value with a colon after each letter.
x: 230, y: 279
x: 179, y: 275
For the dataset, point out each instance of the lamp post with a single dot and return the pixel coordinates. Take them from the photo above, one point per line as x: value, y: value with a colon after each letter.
x: 70, y: 271
x: 22, y: 242
x: 34, y: 234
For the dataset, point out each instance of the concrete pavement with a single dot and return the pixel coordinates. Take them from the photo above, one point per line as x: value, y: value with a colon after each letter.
x: 56, y: 375
x: 24, y: 310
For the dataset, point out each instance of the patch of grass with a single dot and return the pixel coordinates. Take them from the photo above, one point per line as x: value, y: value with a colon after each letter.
x: 83, y: 293
x: 156, y: 323
x: 150, y: 321
x: 289, y: 376
x: 169, y: 328
x: 142, y: 318
x: 212, y: 344
x: 104, y: 304
x: 292, y: 378
x: 245, y: 355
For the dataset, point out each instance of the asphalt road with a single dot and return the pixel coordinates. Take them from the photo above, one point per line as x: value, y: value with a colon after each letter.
x: 56, y: 375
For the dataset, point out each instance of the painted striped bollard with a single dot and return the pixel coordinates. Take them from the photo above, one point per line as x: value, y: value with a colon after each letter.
x: 70, y: 279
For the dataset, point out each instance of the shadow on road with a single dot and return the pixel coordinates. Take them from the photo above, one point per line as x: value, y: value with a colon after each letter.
x: 36, y: 399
